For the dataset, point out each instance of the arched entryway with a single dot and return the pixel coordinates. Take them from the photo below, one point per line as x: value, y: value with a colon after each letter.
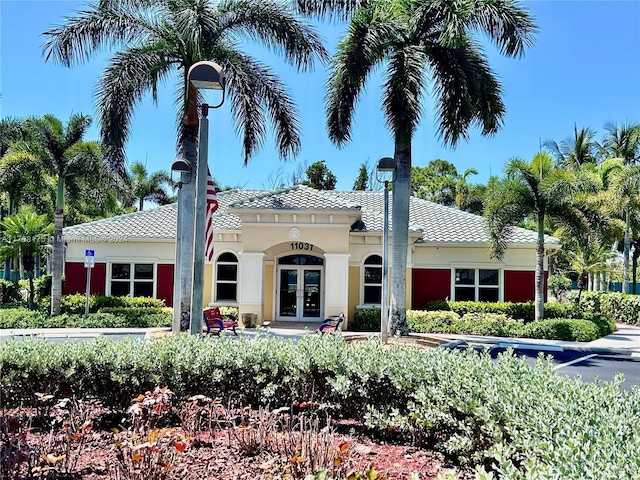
x: 299, y: 288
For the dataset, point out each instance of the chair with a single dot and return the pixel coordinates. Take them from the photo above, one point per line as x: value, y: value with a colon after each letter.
x: 216, y: 323
x: 330, y: 325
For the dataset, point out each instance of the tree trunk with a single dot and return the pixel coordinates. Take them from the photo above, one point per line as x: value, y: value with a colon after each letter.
x: 539, y: 276
x: 400, y: 237
x: 58, y: 250
x: 625, y: 270
x: 634, y: 266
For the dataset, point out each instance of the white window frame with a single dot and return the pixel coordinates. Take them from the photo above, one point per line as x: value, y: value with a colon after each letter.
x: 364, y: 266
x: 216, y: 263
x: 132, y: 280
x: 476, y: 285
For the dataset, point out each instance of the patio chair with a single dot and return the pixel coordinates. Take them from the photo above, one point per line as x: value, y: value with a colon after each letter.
x: 216, y: 323
x: 330, y: 324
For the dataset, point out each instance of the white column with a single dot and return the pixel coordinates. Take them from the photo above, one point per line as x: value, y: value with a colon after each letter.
x: 250, y: 278
x: 336, y: 271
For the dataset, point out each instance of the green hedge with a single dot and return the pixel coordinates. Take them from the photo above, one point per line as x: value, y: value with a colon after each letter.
x: 9, y: 292
x: 142, y: 317
x: 76, y: 303
x: 365, y: 320
x: 527, y: 422
x: 591, y: 327
x: 517, y: 311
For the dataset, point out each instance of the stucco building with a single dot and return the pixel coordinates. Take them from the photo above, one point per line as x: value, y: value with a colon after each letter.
x: 301, y: 254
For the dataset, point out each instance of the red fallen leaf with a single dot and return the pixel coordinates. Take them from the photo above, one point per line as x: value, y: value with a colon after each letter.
x: 344, y: 447
x: 136, y: 456
x: 180, y: 446
x: 303, y: 405
x: 139, y: 398
x: 165, y: 465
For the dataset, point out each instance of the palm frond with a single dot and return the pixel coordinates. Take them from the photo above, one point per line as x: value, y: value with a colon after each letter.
x: 275, y: 25
x: 363, y: 47
x: 466, y: 89
x: 403, y: 91
x: 332, y: 9
x: 130, y: 74
x: 105, y: 23
x: 76, y: 127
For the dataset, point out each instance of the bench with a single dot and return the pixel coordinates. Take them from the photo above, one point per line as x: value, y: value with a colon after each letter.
x: 216, y: 323
x: 330, y: 324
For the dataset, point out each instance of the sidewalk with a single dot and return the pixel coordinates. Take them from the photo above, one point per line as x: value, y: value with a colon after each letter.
x: 625, y: 341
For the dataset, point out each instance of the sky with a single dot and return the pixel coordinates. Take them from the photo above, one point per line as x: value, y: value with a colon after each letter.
x: 584, y: 70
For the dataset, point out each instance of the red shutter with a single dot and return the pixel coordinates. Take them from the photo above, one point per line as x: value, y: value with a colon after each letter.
x: 519, y: 286
x: 429, y: 285
x: 75, y: 278
x: 165, y: 283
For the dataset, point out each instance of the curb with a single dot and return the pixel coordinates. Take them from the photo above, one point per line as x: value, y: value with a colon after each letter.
x: 513, y: 343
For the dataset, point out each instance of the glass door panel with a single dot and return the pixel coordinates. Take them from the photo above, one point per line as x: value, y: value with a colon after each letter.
x: 311, y: 294
x: 288, y: 293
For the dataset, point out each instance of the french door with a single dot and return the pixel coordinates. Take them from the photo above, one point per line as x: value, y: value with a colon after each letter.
x: 299, y: 288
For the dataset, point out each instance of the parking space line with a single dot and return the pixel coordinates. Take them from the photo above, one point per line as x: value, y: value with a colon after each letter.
x: 577, y: 360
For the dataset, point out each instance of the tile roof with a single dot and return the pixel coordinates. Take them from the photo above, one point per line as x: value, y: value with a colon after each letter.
x: 436, y: 223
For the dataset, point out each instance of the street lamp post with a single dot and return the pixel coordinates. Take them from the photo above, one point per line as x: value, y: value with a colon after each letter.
x: 202, y: 75
x: 191, y: 227
x: 386, y: 166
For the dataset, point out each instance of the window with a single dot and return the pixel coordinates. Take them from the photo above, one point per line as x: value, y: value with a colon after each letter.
x: 372, y: 281
x: 132, y: 279
x: 226, y: 278
x: 477, y: 285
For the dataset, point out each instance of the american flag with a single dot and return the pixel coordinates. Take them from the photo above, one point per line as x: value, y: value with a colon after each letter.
x: 212, y: 206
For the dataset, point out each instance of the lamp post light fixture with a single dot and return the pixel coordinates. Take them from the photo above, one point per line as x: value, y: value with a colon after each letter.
x: 385, y: 172
x: 202, y: 75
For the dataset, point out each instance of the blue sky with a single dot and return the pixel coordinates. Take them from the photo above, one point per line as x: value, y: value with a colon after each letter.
x: 584, y: 68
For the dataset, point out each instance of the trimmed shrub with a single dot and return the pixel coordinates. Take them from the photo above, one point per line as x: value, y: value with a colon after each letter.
x: 43, y: 286
x: 431, y: 322
x: 9, y: 292
x: 366, y: 320
x: 21, y: 318
x: 525, y: 422
x: 574, y: 330
x: 142, y: 317
x: 491, y: 324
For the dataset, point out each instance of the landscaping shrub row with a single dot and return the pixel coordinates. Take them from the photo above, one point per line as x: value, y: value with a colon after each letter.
x: 484, y: 322
x: 76, y: 303
x: 105, y: 318
x: 518, y: 311
x: 525, y: 421
x: 624, y: 308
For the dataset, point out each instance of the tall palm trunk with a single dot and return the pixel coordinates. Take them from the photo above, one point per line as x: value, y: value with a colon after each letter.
x: 58, y: 250
x: 400, y: 237
x: 627, y: 248
x: 539, y: 280
x: 634, y: 267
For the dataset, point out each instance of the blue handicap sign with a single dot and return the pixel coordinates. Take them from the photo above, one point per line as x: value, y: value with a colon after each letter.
x: 89, y: 253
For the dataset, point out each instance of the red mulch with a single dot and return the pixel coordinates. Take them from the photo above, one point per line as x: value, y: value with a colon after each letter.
x: 68, y: 449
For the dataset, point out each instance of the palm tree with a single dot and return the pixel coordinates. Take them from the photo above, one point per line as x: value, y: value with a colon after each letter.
x: 623, y: 197
x: 537, y: 189
x: 156, y: 38
x: 142, y: 186
x: 62, y: 154
x: 417, y: 40
x: 25, y: 236
x: 576, y: 151
x: 588, y: 259
x: 622, y: 141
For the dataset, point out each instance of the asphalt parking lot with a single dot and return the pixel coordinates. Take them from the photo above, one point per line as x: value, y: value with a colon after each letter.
x: 588, y: 365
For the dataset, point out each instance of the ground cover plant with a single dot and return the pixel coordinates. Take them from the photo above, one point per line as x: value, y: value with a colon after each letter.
x: 500, y: 416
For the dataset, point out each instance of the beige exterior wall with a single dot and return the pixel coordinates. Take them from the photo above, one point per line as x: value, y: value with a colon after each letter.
x: 269, y: 286
x: 354, y: 291
x: 157, y: 251
x: 515, y: 258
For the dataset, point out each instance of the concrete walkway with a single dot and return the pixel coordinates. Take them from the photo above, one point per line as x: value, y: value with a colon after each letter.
x: 625, y: 340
